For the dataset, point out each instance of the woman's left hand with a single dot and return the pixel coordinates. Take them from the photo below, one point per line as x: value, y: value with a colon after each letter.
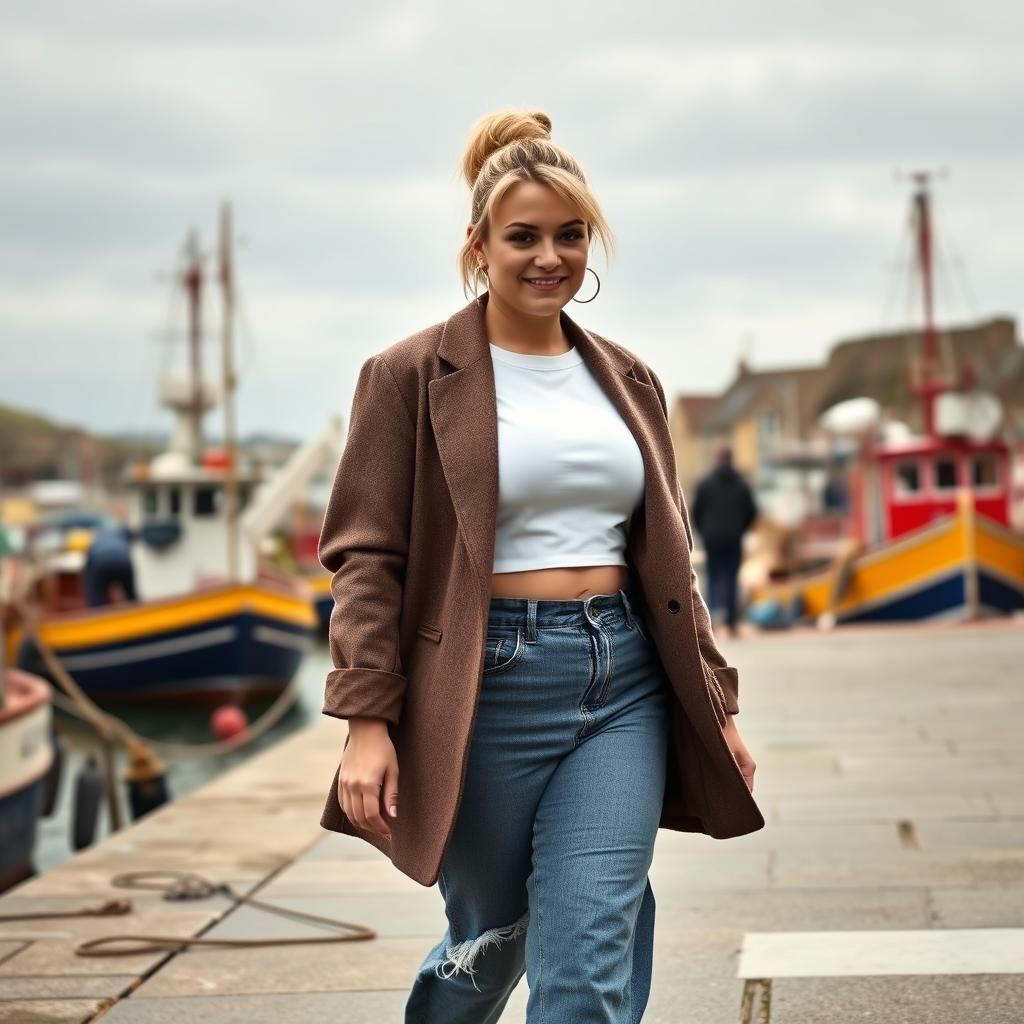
x: 739, y: 751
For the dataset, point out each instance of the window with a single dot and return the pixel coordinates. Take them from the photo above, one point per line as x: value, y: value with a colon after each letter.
x: 945, y: 474
x: 907, y: 479
x: 985, y: 471
x: 769, y: 429
x: 149, y: 501
x: 174, y: 493
x: 207, y: 501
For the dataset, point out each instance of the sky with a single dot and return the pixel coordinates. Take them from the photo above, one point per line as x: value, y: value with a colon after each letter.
x: 752, y: 160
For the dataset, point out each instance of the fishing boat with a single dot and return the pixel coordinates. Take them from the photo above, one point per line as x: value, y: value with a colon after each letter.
x: 928, y: 532
x: 26, y: 757
x: 203, y: 617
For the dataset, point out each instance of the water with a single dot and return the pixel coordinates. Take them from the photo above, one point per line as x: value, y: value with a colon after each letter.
x: 53, y: 838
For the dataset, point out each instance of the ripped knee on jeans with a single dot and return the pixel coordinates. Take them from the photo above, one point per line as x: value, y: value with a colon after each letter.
x: 462, y: 956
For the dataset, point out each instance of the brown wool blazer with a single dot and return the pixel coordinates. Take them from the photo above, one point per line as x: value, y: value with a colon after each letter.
x: 409, y: 537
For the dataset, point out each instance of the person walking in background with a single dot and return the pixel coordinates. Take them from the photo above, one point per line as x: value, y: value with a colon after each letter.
x: 723, y: 510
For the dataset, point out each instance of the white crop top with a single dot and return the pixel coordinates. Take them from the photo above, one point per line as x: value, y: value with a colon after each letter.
x: 570, y: 473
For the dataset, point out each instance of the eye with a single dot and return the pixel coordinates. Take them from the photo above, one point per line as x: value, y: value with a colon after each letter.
x: 520, y: 236
x: 573, y: 234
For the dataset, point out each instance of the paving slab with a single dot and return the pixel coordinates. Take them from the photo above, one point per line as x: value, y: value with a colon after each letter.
x: 978, y: 907
x: 953, y: 999
x: 761, y: 909
x: 50, y: 1011
x: 388, y: 914
x: 50, y: 945
x: 362, y: 1007
x: 884, y: 805
x: 331, y: 967
x: 346, y: 874
x: 65, y: 987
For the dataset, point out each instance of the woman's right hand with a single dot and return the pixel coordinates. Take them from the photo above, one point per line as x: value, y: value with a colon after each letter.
x: 368, y: 780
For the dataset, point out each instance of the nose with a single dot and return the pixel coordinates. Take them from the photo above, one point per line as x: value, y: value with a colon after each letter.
x: 548, y: 259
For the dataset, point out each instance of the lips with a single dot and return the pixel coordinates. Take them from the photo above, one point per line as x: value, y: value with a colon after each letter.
x: 545, y: 284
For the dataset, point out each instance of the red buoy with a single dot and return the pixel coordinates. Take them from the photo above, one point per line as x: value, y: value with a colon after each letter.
x: 228, y: 721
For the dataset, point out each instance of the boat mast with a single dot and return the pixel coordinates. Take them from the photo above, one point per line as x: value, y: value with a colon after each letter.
x: 227, y: 283
x: 929, y: 384
x: 193, y: 279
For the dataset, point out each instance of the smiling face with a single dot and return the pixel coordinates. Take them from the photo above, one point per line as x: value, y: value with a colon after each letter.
x: 536, y: 250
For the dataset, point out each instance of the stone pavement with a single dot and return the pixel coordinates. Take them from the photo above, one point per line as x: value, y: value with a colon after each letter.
x: 889, y: 764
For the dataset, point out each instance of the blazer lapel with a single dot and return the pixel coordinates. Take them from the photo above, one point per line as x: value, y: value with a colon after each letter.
x: 463, y: 416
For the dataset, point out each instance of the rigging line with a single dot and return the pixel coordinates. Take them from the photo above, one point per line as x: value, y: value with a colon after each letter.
x: 247, y: 337
x: 898, y: 271
x: 943, y: 311
x: 970, y: 299
x: 172, y: 316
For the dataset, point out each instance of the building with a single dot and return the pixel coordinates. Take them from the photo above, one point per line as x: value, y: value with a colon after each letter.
x: 764, y: 412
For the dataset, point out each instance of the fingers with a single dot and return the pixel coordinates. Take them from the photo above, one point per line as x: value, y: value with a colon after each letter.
x: 361, y: 801
x: 389, y: 790
x: 371, y: 811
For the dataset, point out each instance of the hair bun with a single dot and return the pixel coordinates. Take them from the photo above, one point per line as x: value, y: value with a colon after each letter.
x: 499, y: 129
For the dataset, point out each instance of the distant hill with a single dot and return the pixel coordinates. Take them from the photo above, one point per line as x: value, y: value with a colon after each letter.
x: 34, y: 447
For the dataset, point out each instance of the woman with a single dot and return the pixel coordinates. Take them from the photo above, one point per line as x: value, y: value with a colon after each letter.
x: 507, y: 537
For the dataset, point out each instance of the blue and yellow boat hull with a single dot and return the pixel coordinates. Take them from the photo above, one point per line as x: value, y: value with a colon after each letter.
x: 960, y: 567
x: 223, y: 644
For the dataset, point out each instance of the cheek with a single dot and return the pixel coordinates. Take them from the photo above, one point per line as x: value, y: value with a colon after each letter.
x: 509, y: 261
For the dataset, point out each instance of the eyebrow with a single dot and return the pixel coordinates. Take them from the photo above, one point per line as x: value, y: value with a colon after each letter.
x: 533, y: 227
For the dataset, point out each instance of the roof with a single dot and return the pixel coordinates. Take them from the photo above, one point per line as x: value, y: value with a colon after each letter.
x: 799, y: 385
x: 695, y: 408
x: 874, y: 365
x: 877, y: 365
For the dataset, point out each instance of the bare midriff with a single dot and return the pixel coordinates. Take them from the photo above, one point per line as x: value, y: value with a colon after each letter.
x: 560, y: 583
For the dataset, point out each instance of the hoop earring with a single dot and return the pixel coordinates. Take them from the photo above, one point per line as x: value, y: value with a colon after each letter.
x: 594, y: 296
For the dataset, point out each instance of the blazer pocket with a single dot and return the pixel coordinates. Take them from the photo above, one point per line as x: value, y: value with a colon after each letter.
x: 430, y: 632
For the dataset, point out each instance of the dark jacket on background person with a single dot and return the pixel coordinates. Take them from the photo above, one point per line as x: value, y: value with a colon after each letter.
x: 409, y: 535
x: 109, y: 560
x: 723, y: 508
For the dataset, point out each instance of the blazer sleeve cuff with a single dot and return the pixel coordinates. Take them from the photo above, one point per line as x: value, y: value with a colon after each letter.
x: 728, y: 683
x: 364, y: 692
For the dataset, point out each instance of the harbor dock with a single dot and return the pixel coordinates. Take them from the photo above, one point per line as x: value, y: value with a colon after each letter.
x: 889, y: 770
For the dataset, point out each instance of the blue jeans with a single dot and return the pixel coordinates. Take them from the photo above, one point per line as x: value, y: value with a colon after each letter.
x: 723, y: 567
x: 546, y: 870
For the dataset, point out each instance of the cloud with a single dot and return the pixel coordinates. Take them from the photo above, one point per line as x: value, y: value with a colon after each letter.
x: 745, y: 155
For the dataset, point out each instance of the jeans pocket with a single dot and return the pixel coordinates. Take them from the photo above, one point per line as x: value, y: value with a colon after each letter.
x: 503, y: 647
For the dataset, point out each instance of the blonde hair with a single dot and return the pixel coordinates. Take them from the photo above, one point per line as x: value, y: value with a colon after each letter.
x: 508, y: 146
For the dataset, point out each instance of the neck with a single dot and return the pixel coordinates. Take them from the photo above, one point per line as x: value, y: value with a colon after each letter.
x: 538, y: 334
